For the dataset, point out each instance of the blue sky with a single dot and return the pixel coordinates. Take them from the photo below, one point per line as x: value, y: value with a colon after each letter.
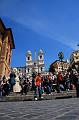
x: 51, y: 25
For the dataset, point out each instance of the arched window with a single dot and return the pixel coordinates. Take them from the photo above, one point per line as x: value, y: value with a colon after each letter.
x: 40, y: 56
x: 28, y: 70
x: 41, y: 69
x: 19, y: 70
x: 28, y: 58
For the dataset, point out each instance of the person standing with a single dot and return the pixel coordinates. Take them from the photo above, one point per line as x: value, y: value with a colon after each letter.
x: 24, y: 86
x: 12, y: 81
x: 38, y: 92
x: 6, y: 88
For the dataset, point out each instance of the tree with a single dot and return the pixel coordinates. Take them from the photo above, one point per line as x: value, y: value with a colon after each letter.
x: 61, y: 56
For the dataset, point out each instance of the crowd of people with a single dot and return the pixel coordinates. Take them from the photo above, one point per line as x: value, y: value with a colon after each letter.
x: 55, y: 82
x: 13, y: 84
x: 40, y: 84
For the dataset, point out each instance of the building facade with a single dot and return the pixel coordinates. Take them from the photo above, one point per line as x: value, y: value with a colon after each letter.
x: 6, y: 46
x: 60, y: 66
x: 74, y: 58
x: 36, y: 65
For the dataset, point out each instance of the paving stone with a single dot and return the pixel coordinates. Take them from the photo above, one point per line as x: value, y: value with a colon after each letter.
x: 59, y: 109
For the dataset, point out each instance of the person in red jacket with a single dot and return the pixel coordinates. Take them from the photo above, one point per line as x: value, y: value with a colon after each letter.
x: 60, y: 78
x: 38, y: 81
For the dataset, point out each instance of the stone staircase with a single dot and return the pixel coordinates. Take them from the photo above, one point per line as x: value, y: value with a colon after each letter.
x: 30, y: 96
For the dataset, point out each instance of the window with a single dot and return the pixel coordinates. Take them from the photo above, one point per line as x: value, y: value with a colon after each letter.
x: 34, y: 63
x: 28, y: 70
x: 40, y: 56
x: 28, y: 58
x: 41, y: 69
x: 19, y: 69
x: 5, y: 70
x: 76, y: 57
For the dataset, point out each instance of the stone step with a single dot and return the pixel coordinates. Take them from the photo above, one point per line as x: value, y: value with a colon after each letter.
x: 16, y: 94
x: 19, y: 97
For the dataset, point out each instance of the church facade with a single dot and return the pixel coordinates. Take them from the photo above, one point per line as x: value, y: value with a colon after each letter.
x: 37, y: 65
